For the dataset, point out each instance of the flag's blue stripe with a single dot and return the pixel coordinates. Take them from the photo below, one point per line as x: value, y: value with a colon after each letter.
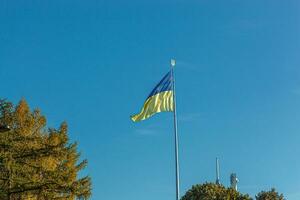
x: 164, y: 85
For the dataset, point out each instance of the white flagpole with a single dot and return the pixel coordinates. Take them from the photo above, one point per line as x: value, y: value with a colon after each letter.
x: 173, y: 62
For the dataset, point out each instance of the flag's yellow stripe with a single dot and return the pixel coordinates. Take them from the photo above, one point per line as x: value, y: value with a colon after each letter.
x: 160, y: 102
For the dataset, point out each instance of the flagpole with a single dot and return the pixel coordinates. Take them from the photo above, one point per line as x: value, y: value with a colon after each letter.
x: 173, y: 62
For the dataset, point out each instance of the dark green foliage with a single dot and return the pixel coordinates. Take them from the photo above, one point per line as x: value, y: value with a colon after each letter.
x: 269, y: 195
x: 38, y: 163
x: 211, y: 191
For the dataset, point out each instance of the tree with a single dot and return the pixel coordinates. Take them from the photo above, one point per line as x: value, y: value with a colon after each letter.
x: 269, y: 195
x: 211, y: 191
x: 37, y: 163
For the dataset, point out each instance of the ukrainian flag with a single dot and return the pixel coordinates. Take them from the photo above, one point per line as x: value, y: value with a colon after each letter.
x: 159, y: 100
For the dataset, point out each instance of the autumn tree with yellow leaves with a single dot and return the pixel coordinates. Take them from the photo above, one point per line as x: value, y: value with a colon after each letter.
x: 36, y: 162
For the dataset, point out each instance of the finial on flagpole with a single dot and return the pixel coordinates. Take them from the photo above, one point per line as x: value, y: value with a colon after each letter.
x: 173, y: 62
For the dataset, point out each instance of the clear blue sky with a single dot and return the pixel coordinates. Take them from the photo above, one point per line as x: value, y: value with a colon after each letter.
x: 93, y: 63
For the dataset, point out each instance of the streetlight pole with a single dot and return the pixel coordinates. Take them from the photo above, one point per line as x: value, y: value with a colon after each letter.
x: 3, y: 129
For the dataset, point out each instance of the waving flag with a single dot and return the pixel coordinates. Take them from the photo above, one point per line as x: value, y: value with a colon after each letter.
x: 162, y: 99
x: 159, y: 100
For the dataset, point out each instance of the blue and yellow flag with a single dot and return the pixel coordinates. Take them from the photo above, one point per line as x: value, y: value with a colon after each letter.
x: 159, y: 100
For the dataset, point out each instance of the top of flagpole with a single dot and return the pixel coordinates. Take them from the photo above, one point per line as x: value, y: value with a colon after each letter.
x: 173, y: 62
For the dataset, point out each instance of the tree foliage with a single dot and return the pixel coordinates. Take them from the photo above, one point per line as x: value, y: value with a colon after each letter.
x: 211, y: 191
x: 269, y: 195
x: 38, y: 163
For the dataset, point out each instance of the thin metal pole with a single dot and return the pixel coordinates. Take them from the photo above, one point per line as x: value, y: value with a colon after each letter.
x: 217, y: 172
x: 175, y: 131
